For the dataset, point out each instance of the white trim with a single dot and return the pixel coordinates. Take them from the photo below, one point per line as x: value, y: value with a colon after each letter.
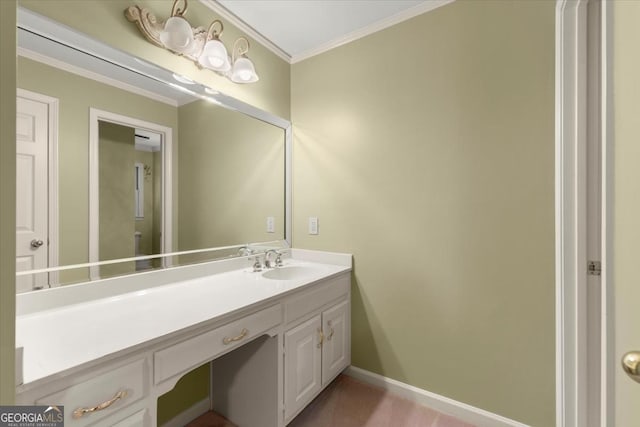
x: 53, y: 107
x: 79, y: 71
x: 468, y: 413
x: 95, y: 116
x: 594, y: 215
x: 288, y: 190
x: 405, y: 15
x: 571, y: 212
x: 607, y: 358
x: 188, y: 415
x: 230, y: 17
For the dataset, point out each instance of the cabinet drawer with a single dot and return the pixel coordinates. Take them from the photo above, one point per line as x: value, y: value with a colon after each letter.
x: 317, y: 297
x: 193, y: 352
x: 123, y: 386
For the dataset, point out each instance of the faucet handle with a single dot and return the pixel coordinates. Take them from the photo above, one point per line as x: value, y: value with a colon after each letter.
x: 279, y: 259
x: 257, y: 265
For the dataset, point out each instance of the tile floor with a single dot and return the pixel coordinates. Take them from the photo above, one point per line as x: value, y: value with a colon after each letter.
x: 350, y: 403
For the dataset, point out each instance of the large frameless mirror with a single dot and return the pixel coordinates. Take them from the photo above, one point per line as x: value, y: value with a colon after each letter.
x: 118, y: 158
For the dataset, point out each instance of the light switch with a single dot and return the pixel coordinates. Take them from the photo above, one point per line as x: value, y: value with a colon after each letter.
x: 313, y: 225
x: 271, y: 224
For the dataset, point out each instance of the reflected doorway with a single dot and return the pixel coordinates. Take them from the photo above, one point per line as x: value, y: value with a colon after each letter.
x: 130, y: 198
x: 36, y: 189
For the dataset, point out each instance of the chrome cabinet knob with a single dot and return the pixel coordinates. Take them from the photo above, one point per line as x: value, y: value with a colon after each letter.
x: 36, y: 243
x: 631, y: 364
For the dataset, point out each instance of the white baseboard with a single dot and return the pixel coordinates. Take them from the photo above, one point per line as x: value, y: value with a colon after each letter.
x: 183, y: 418
x: 460, y: 410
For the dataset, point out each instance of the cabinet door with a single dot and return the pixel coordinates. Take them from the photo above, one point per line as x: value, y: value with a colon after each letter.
x: 336, y: 349
x: 302, y: 379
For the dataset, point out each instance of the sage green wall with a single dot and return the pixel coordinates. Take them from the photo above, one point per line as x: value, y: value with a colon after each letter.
x: 191, y: 388
x: 156, y: 230
x: 626, y: 201
x: 427, y: 151
x: 77, y: 95
x: 105, y: 21
x: 147, y: 225
x: 231, y: 177
x: 7, y: 194
x: 117, y: 197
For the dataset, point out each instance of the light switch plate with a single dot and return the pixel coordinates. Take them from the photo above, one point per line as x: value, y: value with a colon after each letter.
x: 271, y: 225
x: 313, y: 225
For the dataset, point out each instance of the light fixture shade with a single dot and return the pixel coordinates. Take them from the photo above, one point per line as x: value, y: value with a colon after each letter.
x: 243, y: 71
x: 177, y: 35
x: 214, y: 56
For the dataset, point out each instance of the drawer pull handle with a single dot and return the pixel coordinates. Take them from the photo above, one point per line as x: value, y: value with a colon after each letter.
x: 243, y: 333
x: 321, y: 335
x: 78, y: 413
x: 331, y: 332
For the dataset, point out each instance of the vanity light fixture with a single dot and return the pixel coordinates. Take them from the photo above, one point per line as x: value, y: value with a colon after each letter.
x: 201, y: 46
x: 243, y: 70
x: 214, y: 55
x: 177, y: 34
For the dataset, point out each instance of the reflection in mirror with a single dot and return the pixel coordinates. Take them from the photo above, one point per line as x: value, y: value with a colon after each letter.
x: 129, y: 196
x: 245, y: 254
x: 222, y: 184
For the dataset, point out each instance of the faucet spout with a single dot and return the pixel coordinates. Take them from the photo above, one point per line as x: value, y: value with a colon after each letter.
x: 268, y: 263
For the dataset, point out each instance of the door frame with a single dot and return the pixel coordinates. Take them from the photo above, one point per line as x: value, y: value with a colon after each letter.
x: 53, y: 106
x: 607, y: 354
x: 571, y: 212
x: 572, y: 167
x: 95, y: 116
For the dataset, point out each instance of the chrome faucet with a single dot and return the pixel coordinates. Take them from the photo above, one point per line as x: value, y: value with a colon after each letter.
x: 267, y: 262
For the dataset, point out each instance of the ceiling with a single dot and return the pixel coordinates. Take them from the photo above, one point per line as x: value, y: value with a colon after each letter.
x: 299, y: 29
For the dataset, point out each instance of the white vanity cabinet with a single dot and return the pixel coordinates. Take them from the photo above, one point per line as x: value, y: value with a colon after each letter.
x: 317, y: 344
x: 273, y: 346
x: 109, y: 395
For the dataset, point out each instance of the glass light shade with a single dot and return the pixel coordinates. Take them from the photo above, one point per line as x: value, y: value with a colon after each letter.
x: 243, y: 71
x: 177, y: 35
x: 214, y: 56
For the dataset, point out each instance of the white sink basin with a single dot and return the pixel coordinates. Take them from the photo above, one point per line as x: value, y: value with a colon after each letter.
x: 288, y: 273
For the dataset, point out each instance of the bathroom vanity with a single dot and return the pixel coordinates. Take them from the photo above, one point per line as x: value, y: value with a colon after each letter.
x: 107, y: 350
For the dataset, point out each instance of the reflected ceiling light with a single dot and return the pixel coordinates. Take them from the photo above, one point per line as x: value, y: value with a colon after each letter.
x: 203, y: 47
x: 183, y: 79
x: 243, y: 70
x: 177, y: 34
x: 214, y: 55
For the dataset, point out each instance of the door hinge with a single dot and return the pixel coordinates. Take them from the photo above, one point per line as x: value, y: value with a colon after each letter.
x: 594, y: 268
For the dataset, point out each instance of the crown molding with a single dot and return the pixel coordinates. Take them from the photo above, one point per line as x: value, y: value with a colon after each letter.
x: 225, y: 14
x: 425, y: 7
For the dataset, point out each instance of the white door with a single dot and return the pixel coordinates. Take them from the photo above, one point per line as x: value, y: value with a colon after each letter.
x: 302, y: 378
x: 32, y: 138
x: 335, y: 349
x: 625, y: 144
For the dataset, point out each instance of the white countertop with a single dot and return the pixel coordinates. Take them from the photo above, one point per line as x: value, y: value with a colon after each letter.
x: 61, y: 338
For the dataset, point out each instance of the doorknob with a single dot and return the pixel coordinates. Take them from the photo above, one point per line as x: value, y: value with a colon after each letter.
x: 36, y: 243
x: 631, y: 364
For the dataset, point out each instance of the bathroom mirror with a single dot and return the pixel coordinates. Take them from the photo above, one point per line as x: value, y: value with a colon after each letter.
x: 139, y: 161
